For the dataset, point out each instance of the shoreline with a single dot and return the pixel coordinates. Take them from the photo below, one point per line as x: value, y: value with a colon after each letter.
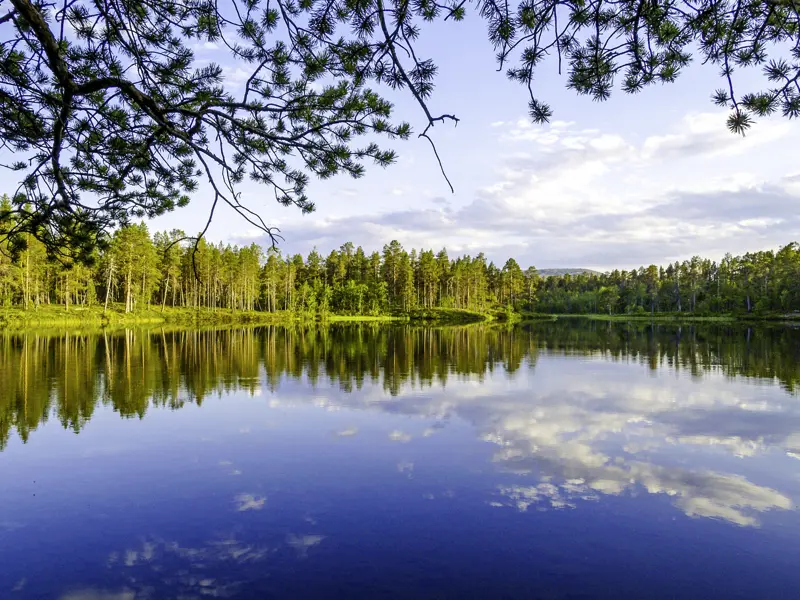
x: 789, y: 320
x: 56, y: 317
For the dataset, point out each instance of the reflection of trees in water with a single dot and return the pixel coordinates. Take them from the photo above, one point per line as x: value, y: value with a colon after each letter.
x: 763, y: 352
x: 66, y: 375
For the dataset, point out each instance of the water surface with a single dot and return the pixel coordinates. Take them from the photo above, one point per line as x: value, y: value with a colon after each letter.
x: 556, y: 460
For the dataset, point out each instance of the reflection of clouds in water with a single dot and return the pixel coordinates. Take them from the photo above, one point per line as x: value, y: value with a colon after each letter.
x: 429, y: 431
x: 399, y: 436
x: 707, y: 494
x: 698, y: 494
x: 406, y: 466
x: 302, y: 543
x: 245, y: 502
x: 99, y: 594
x: 11, y: 525
x: 349, y: 432
x: 549, y: 442
x: 734, y: 445
x: 229, y: 465
x: 611, y: 424
x: 547, y: 494
x: 205, y: 570
x: 133, y: 557
x: 444, y: 494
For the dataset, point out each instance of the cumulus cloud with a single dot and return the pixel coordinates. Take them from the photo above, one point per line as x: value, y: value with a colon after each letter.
x: 570, y: 196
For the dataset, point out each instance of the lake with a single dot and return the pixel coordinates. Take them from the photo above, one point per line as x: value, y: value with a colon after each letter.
x: 568, y: 459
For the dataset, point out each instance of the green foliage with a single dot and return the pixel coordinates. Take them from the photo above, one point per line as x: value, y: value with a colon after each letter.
x: 145, y: 273
x: 112, y: 119
x: 757, y: 284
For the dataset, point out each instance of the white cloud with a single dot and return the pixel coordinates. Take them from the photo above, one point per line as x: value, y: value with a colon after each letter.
x: 570, y: 196
x: 235, y: 77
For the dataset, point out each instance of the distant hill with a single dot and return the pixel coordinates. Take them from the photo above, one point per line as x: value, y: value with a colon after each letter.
x: 560, y: 272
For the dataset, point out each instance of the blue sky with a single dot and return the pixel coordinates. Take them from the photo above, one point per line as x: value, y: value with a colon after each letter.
x: 635, y: 180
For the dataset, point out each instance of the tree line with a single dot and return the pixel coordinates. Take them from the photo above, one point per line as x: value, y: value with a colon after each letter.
x: 753, y: 283
x: 139, y: 271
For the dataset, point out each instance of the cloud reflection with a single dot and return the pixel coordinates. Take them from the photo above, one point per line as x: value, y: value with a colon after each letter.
x: 399, y: 436
x: 187, y: 571
x: 348, y: 432
x: 302, y: 543
x: 573, y: 438
x: 99, y: 594
x: 245, y: 502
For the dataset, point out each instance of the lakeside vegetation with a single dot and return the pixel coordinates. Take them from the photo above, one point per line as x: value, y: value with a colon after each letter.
x: 762, y: 284
x: 139, y: 278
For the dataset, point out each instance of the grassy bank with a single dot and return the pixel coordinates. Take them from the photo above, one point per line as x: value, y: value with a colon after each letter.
x: 362, y: 318
x: 57, y: 316
x: 54, y: 317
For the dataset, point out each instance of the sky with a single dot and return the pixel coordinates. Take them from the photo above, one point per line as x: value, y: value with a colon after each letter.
x: 650, y: 178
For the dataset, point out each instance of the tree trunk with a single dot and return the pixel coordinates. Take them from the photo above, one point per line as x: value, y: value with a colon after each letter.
x: 27, y: 275
x: 166, y: 292
x: 128, y: 283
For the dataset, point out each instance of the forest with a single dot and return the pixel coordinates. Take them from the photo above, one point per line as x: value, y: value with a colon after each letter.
x: 755, y: 283
x: 139, y: 271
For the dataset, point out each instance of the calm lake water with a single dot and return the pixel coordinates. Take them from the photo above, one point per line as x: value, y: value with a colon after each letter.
x: 557, y: 460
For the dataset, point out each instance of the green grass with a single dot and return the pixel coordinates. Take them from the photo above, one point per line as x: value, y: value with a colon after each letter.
x: 361, y: 318
x: 80, y: 316
x: 55, y: 317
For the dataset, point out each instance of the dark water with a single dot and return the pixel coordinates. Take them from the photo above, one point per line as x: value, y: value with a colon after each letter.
x: 557, y: 460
